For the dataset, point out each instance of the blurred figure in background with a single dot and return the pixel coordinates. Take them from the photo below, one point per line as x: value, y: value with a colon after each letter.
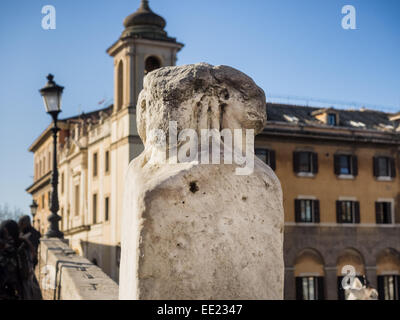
x: 10, y: 279
x: 30, y: 233
x: 17, y: 277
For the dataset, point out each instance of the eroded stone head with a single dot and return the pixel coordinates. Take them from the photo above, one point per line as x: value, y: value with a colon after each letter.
x: 200, y: 96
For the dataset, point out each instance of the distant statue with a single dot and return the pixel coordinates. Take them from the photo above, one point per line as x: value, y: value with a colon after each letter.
x: 359, y: 291
x: 203, y: 217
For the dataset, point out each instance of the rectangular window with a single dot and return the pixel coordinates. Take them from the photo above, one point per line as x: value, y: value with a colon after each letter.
x: 307, y: 210
x: 383, y: 212
x: 95, y: 164
x: 106, y: 208
x: 94, y: 208
x: 49, y: 162
x: 389, y: 287
x: 107, y: 161
x: 348, y: 211
x: 62, y: 183
x: 332, y: 119
x: 267, y: 156
x: 77, y: 202
x: 43, y: 202
x: 309, y: 288
x: 49, y: 198
x: 384, y: 167
x: 345, y: 164
x: 305, y: 162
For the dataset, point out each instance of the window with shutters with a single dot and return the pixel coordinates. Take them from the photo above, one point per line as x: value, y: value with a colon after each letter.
x: 267, y: 156
x: 384, y: 167
x: 95, y: 164
x: 107, y: 161
x: 348, y: 212
x: 383, y: 212
x: 77, y: 202
x: 345, y: 165
x: 305, y: 162
x: 389, y: 287
x: 107, y: 208
x: 310, y: 288
x: 94, y: 208
x: 307, y: 211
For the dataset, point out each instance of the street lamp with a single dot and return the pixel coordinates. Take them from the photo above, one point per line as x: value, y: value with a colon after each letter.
x: 34, y: 207
x: 51, y: 94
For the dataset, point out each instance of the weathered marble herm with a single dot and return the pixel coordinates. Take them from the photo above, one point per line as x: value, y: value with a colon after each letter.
x: 192, y: 230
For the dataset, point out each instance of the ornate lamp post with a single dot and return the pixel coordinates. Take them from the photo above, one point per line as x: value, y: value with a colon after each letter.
x: 51, y: 94
x: 34, y: 207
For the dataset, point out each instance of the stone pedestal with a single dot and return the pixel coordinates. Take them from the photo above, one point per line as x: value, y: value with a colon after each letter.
x: 192, y: 230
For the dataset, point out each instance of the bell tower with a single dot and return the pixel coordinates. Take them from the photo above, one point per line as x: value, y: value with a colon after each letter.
x: 143, y: 46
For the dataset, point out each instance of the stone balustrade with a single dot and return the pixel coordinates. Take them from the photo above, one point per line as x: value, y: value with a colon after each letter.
x: 63, y: 275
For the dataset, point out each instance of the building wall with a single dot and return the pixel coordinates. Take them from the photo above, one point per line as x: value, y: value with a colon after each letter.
x: 328, y: 238
x: 325, y: 185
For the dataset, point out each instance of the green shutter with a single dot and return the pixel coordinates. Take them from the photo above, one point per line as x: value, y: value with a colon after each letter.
x: 336, y: 164
x: 296, y: 161
x: 314, y: 159
x: 316, y: 211
x: 357, y: 212
x: 354, y: 168
x: 338, y: 211
x: 299, y: 288
x: 392, y: 167
x: 297, y: 210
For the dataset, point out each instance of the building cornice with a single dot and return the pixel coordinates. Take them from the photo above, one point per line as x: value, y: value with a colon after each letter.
x: 39, y: 184
x: 122, y: 43
x: 76, y: 230
x: 340, y: 134
x: 45, y: 135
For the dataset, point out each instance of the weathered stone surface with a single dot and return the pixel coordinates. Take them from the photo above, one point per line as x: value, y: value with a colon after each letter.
x: 63, y: 275
x: 192, y: 230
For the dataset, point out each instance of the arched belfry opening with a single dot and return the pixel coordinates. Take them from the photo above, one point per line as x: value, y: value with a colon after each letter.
x: 120, y: 85
x: 151, y: 63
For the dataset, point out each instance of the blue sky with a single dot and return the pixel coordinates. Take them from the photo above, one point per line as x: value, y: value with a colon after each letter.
x: 289, y: 47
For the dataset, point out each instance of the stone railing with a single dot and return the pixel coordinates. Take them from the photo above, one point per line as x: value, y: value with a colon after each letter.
x: 63, y: 275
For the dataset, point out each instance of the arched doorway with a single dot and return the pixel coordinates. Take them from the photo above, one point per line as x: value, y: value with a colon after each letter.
x: 309, y: 273
x: 388, y: 272
x: 350, y: 260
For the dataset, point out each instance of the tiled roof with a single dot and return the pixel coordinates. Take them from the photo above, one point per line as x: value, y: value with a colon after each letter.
x: 372, y: 119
